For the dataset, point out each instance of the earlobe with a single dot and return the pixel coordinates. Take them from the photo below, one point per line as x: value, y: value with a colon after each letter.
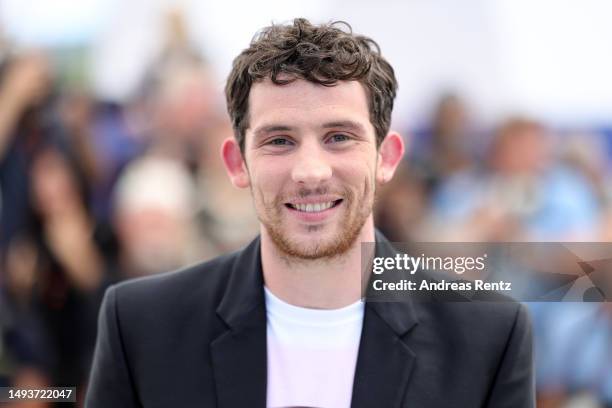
x: 390, y: 154
x: 234, y: 163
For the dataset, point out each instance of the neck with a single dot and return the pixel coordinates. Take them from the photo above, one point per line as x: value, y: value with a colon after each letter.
x: 327, y: 283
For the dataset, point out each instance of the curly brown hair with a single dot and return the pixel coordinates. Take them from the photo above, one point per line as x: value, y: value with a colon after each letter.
x: 323, y: 54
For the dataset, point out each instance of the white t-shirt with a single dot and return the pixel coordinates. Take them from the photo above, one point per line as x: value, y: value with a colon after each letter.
x: 312, y: 354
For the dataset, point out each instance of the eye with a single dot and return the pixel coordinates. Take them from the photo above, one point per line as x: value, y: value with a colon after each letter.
x: 338, y: 137
x: 279, y: 141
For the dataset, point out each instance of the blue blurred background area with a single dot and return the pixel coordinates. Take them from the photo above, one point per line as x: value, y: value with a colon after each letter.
x: 112, y: 114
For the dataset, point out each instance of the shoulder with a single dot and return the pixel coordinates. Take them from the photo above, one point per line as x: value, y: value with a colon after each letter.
x: 207, y: 273
x: 478, y: 325
x: 173, y: 294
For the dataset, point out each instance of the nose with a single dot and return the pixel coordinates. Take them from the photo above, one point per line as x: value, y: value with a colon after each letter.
x: 311, y: 166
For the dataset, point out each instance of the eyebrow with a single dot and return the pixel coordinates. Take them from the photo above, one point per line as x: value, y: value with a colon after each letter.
x: 345, y: 124
x: 263, y: 130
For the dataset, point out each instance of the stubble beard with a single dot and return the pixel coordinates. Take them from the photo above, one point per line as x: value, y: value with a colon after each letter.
x: 356, y: 212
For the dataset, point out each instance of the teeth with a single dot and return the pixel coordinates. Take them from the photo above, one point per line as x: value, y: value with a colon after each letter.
x: 318, y: 207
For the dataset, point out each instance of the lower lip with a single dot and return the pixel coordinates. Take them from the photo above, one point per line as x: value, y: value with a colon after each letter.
x: 314, y: 216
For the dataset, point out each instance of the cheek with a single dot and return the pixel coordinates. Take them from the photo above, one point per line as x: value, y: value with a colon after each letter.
x: 356, y: 171
x: 269, y: 176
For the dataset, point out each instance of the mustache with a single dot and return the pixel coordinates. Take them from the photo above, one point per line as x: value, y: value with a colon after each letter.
x: 305, y: 192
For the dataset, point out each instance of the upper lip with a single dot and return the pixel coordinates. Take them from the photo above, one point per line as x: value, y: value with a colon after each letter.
x: 314, y: 200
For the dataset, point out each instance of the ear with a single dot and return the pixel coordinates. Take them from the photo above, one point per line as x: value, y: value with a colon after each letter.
x: 390, y: 154
x: 234, y: 163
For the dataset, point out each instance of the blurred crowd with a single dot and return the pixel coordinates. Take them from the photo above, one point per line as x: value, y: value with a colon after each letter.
x: 94, y: 192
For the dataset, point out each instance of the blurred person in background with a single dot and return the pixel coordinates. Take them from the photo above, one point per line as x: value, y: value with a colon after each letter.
x: 154, y: 212
x: 63, y: 288
x: 521, y: 192
x: 52, y: 270
x: 181, y: 118
x: 35, y: 115
x: 447, y: 146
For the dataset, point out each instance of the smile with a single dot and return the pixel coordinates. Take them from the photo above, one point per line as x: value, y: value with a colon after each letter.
x: 314, y: 207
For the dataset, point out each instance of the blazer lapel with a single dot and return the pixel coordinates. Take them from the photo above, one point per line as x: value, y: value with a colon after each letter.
x: 384, y: 364
x: 385, y: 361
x: 239, y: 355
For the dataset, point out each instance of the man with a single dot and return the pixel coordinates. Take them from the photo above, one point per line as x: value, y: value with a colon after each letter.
x: 280, y: 323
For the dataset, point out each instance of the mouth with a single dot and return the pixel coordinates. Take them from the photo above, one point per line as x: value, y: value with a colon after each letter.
x: 314, y: 207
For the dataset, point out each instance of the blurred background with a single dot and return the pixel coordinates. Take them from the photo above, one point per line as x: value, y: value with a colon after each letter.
x: 112, y: 114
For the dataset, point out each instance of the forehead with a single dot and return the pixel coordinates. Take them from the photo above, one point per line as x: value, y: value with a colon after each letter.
x: 303, y: 103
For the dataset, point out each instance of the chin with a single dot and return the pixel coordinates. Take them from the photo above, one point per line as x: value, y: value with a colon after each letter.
x: 313, y: 242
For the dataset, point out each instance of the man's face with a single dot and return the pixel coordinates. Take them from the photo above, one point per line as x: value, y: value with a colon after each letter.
x: 311, y: 163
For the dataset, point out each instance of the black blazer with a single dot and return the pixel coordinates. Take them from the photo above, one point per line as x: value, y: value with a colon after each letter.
x: 197, y: 338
